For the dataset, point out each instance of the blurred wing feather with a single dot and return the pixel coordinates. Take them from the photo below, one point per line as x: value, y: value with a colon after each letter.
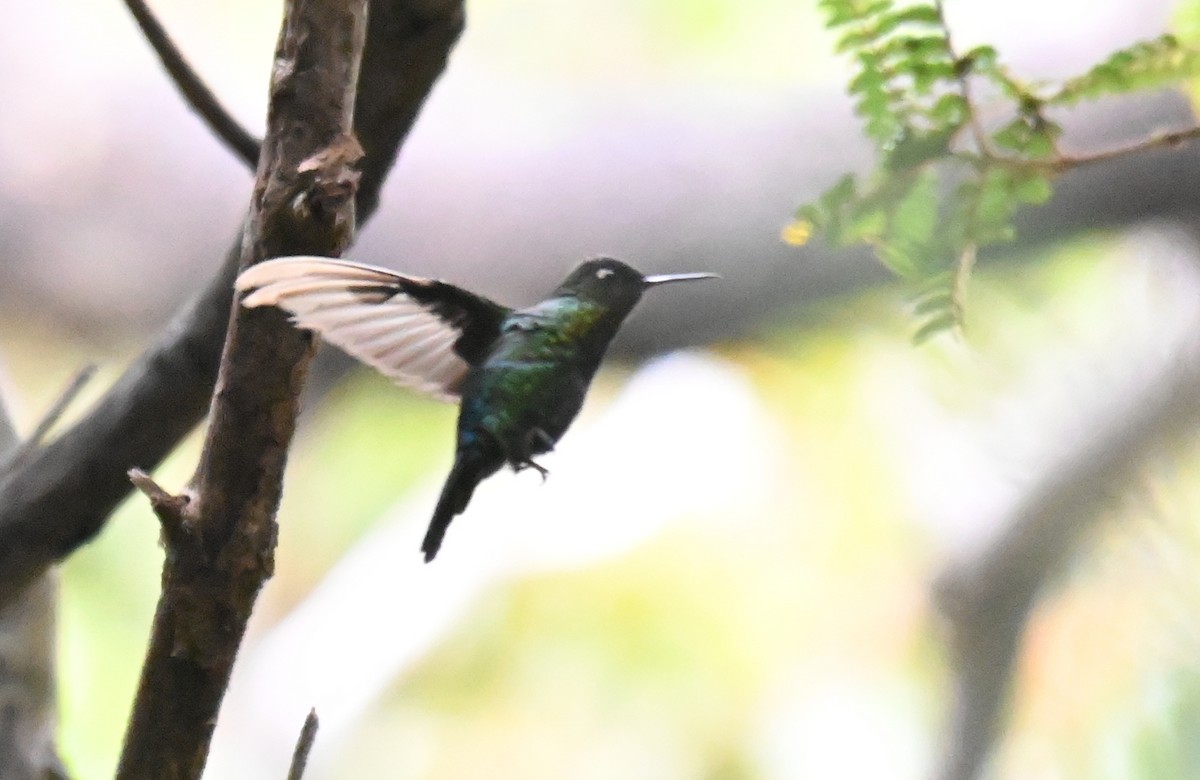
x: 422, y: 333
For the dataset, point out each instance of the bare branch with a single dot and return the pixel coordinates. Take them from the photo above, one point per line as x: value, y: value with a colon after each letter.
x: 219, y: 556
x: 986, y: 601
x: 170, y: 510
x: 308, y: 735
x: 28, y: 719
x: 26, y: 448
x: 27, y: 671
x: 1157, y: 141
x: 9, y: 439
x: 1063, y: 163
x: 192, y: 87
x: 62, y: 496
x: 982, y: 142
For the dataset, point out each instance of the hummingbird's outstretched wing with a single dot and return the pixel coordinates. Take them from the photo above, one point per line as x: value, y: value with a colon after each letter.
x: 422, y: 333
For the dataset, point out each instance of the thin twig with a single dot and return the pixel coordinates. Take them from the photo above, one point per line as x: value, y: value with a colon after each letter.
x: 193, y: 88
x: 1160, y: 141
x: 1065, y: 163
x: 962, y: 277
x: 1059, y: 163
x: 308, y: 735
x: 964, y: 85
x: 169, y: 509
x: 27, y: 447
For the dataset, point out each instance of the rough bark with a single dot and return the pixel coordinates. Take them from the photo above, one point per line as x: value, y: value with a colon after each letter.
x: 220, y: 540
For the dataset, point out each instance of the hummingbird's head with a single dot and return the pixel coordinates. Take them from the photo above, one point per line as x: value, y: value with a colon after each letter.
x: 615, y: 284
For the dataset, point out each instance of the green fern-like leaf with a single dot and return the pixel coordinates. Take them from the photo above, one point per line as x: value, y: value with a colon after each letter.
x: 1145, y: 65
x: 911, y: 224
x: 987, y: 208
x: 842, y: 12
x: 937, y: 195
x: 936, y: 306
x: 935, y: 303
x: 915, y: 148
x: 934, y: 326
x: 1029, y: 136
x: 1033, y: 188
x: 828, y: 213
x: 905, y: 66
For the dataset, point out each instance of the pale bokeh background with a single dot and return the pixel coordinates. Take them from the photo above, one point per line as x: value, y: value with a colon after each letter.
x: 727, y: 574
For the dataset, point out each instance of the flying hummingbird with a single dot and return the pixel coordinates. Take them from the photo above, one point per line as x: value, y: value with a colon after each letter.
x: 521, y: 374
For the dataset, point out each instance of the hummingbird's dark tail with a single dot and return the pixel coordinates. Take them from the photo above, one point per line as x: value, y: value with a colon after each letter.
x: 471, y: 466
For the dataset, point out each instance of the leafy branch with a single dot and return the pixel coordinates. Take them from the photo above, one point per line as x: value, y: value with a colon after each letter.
x: 945, y: 185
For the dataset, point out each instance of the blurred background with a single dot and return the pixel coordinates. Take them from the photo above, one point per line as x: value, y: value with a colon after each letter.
x: 731, y: 570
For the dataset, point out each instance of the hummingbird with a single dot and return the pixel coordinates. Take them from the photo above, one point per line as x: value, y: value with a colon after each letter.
x: 520, y: 375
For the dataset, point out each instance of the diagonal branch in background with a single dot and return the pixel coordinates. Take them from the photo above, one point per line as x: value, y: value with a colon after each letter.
x: 22, y: 452
x: 28, y: 687
x: 192, y: 87
x: 220, y: 544
x: 986, y: 601
x: 63, y: 495
x: 27, y: 655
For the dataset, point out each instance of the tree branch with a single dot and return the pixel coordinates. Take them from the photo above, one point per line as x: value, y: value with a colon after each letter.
x: 220, y: 547
x: 28, y: 689
x: 62, y: 496
x: 308, y: 735
x: 27, y: 674
x: 986, y: 601
x: 1157, y: 141
x: 192, y: 87
x: 26, y: 448
x: 1064, y: 163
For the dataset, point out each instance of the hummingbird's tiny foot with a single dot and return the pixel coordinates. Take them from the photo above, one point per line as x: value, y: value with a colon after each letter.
x: 529, y: 464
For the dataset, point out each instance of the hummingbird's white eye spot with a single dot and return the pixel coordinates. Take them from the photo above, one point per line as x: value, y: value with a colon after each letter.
x: 603, y: 273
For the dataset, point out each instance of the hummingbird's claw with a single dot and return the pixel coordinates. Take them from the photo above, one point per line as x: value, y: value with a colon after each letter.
x: 529, y: 464
x: 537, y: 442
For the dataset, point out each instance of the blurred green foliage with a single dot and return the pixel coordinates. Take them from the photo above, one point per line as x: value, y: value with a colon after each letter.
x: 662, y: 41
x: 945, y: 186
x: 1165, y: 744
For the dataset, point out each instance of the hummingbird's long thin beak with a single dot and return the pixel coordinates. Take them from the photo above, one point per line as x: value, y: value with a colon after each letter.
x: 650, y: 281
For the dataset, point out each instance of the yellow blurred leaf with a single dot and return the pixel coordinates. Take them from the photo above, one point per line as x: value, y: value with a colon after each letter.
x: 797, y: 233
